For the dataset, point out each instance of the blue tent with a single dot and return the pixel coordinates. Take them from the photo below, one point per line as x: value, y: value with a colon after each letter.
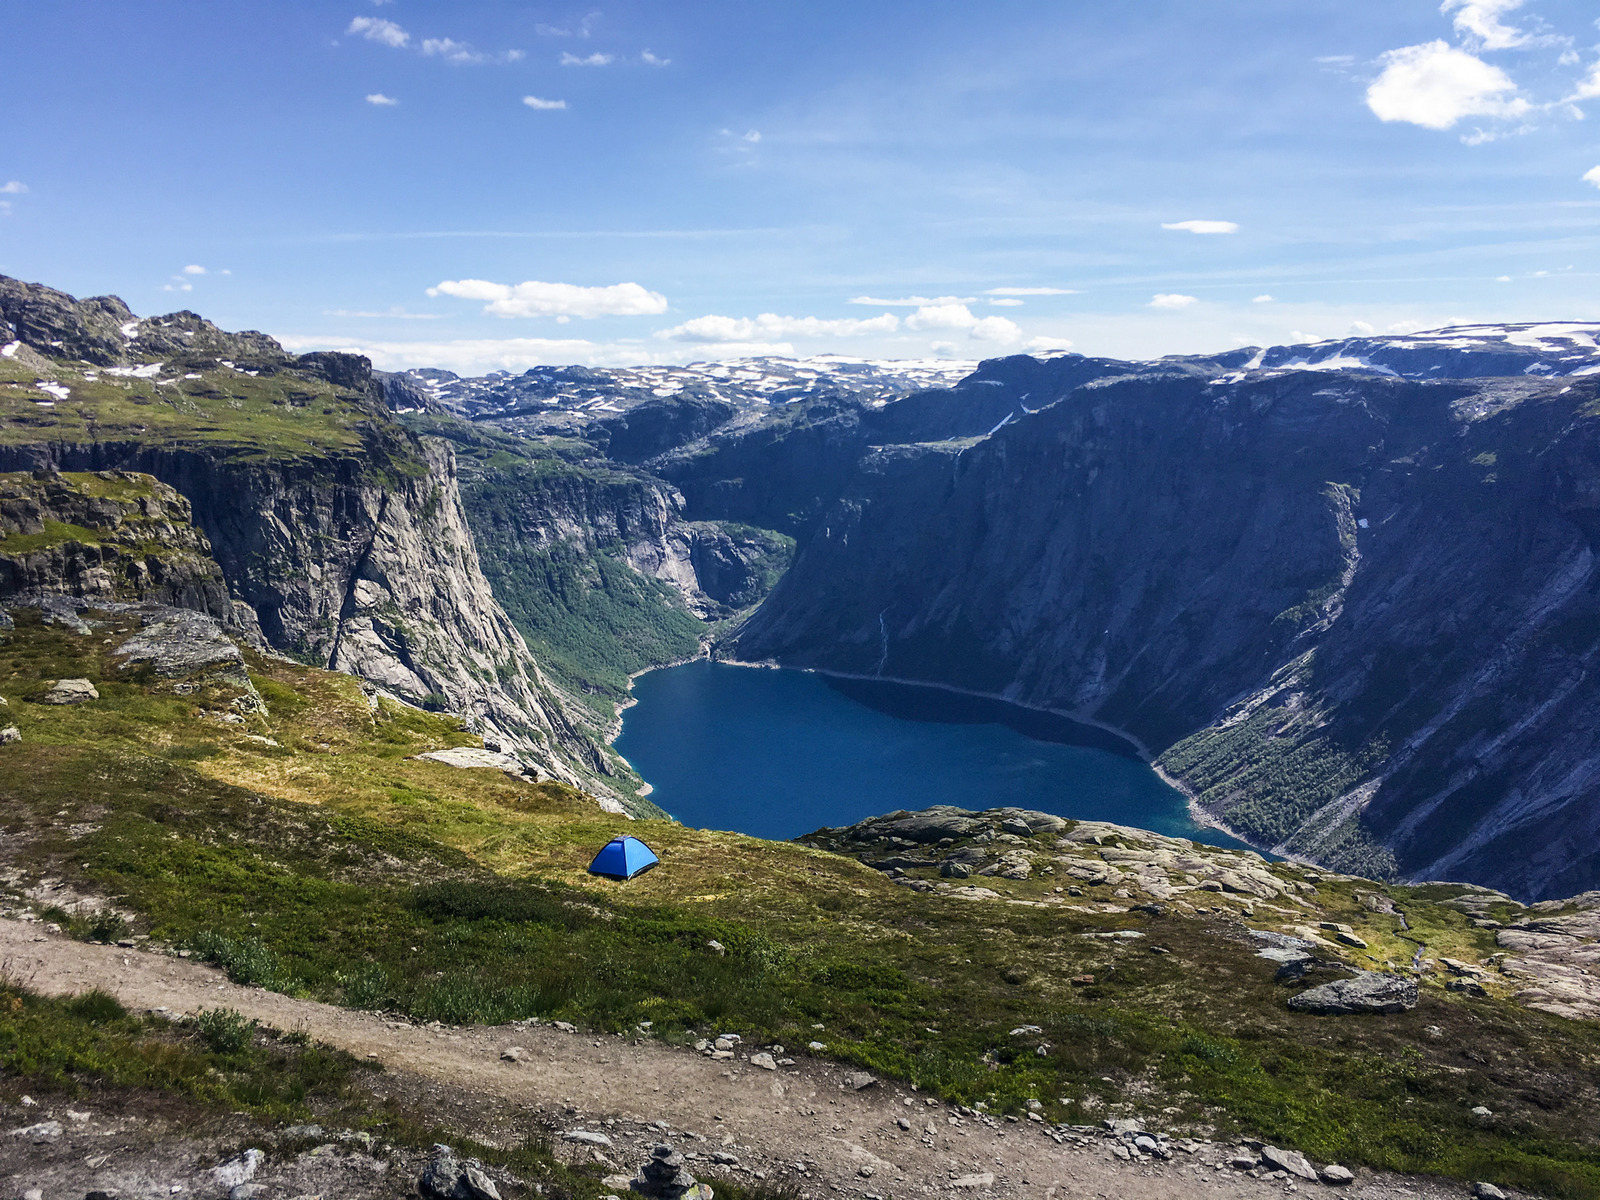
x: 623, y: 858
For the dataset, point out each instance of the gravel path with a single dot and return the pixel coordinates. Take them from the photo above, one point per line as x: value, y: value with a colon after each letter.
x: 797, y: 1125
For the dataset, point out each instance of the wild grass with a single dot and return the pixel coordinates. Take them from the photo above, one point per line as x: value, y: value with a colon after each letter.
x: 336, y: 865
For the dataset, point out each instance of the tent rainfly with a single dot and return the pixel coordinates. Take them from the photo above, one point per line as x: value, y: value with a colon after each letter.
x: 623, y: 858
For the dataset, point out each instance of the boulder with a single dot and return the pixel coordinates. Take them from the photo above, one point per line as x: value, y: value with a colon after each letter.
x: 1366, y: 992
x: 71, y: 691
x: 1336, y: 1175
x: 931, y: 824
x: 446, y: 1179
x: 1291, y: 1161
x: 857, y: 1081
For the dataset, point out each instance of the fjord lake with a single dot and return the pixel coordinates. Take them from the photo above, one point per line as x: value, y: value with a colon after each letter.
x: 778, y: 753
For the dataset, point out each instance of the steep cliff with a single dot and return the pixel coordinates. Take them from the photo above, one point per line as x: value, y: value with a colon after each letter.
x: 1358, y: 614
x: 340, y: 530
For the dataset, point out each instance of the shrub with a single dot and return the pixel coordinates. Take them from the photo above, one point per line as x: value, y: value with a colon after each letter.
x: 224, y: 1030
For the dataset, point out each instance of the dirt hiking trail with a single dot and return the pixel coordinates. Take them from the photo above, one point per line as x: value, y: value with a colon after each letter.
x: 798, y: 1126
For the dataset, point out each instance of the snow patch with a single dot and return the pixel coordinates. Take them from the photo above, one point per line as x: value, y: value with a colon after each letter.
x: 9, y: 350
x: 59, y: 390
x: 142, y: 371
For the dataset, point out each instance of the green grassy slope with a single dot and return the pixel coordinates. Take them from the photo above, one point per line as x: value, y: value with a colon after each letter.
x: 307, y: 848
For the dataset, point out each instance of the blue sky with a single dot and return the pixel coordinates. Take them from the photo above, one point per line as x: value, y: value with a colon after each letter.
x: 484, y: 185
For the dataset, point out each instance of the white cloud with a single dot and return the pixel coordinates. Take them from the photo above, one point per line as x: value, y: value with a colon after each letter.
x: 1507, y: 278
x: 375, y: 29
x: 1592, y: 175
x: 1264, y: 298
x: 1361, y: 329
x: 13, y: 188
x: 910, y: 301
x: 1171, y: 300
x: 769, y: 326
x: 177, y: 287
x: 1030, y: 291
x: 1296, y: 337
x: 452, y: 51
x: 194, y: 269
x: 1005, y: 302
x: 582, y: 29
x: 1047, y: 344
x: 1434, y: 85
x: 1202, y: 226
x: 597, y: 59
x: 535, y: 299
x: 543, y: 105
x: 381, y: 100
x: 653, y: 60
x: 750, y: 135
x: 958, y: 316
x: 1478, y: 21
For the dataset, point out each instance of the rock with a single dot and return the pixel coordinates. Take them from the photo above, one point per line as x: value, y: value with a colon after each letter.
x: 1467, y: 987
x: 44, y: 1131
x: 565, y: 1026
x: 1484, y: 1190
x: 1016, y: 827
x: 814, y: 1046
x: 764, y: 1061
x: 70, y: 691
x: 1482, y: 1113
x: 1121, y: 1125
x: 247, y: 1191
x: 1366, y: 992
x: 664, y: 1177
x: 446, y: 1179
x: 716, y: 947
x: 857, y: 1081
x: 513, y: 1054
x: 10, y: 734
x: 948, y: 868
x: 928, y: 826
x: 1024, y: 1030
x: 586, y: 1137
x: 1335, y: 1174
x: 865, y: 1171
x: 1291, y: 1161
x: 902, y: 1122
x: 973, y: 1183
x: 238, y: 1170
x: 1244, y: 1162
x: 1345, y: 938
x: 1145, y: 1144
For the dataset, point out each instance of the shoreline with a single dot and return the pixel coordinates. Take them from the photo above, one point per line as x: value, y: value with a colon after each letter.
x: 1196, y: 812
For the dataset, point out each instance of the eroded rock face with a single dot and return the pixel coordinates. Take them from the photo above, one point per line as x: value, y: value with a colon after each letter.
x: 108, y: 535
x: 1381, y: 587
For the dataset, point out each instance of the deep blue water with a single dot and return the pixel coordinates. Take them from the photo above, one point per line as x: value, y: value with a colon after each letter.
x: 781, y: 753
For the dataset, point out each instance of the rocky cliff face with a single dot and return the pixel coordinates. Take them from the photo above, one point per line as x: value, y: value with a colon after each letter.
x: 349, y: 542
x: 1356, y: 613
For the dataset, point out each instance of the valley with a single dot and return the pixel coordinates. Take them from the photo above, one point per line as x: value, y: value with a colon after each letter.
x: 310, y: 674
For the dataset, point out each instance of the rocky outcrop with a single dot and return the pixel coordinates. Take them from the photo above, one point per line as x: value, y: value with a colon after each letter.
x: 353, y: 551
x: 108, y: 535
x: 1354, y: 613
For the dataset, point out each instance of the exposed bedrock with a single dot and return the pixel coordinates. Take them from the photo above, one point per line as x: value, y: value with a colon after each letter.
x: 1356, y: 614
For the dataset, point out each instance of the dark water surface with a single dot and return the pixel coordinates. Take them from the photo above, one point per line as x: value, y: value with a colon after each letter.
x: 781, y: 753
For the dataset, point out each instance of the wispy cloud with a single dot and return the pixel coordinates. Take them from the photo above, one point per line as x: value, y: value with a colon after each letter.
x: 568, y: 59
x: 13, y: 187
x: 1172, y: 300
x: 1478, y: 21
x: 769, y: 327
x: 580, y: 29
x: 1261, y: 299
x: 653, y: 60
x: 1435, y: 85
x: 560, y: 300
x: 381, y: 100
x: 393, y: 314
x: 1202, y: 226
x: 910, y: 301
x: 543, y: 105
x: 194, y: 269
x: 1030, y: 291
x: 1005, y: 302
x: 376, y: 29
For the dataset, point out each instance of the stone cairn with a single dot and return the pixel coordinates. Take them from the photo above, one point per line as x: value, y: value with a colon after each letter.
x: 664, y: 1177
